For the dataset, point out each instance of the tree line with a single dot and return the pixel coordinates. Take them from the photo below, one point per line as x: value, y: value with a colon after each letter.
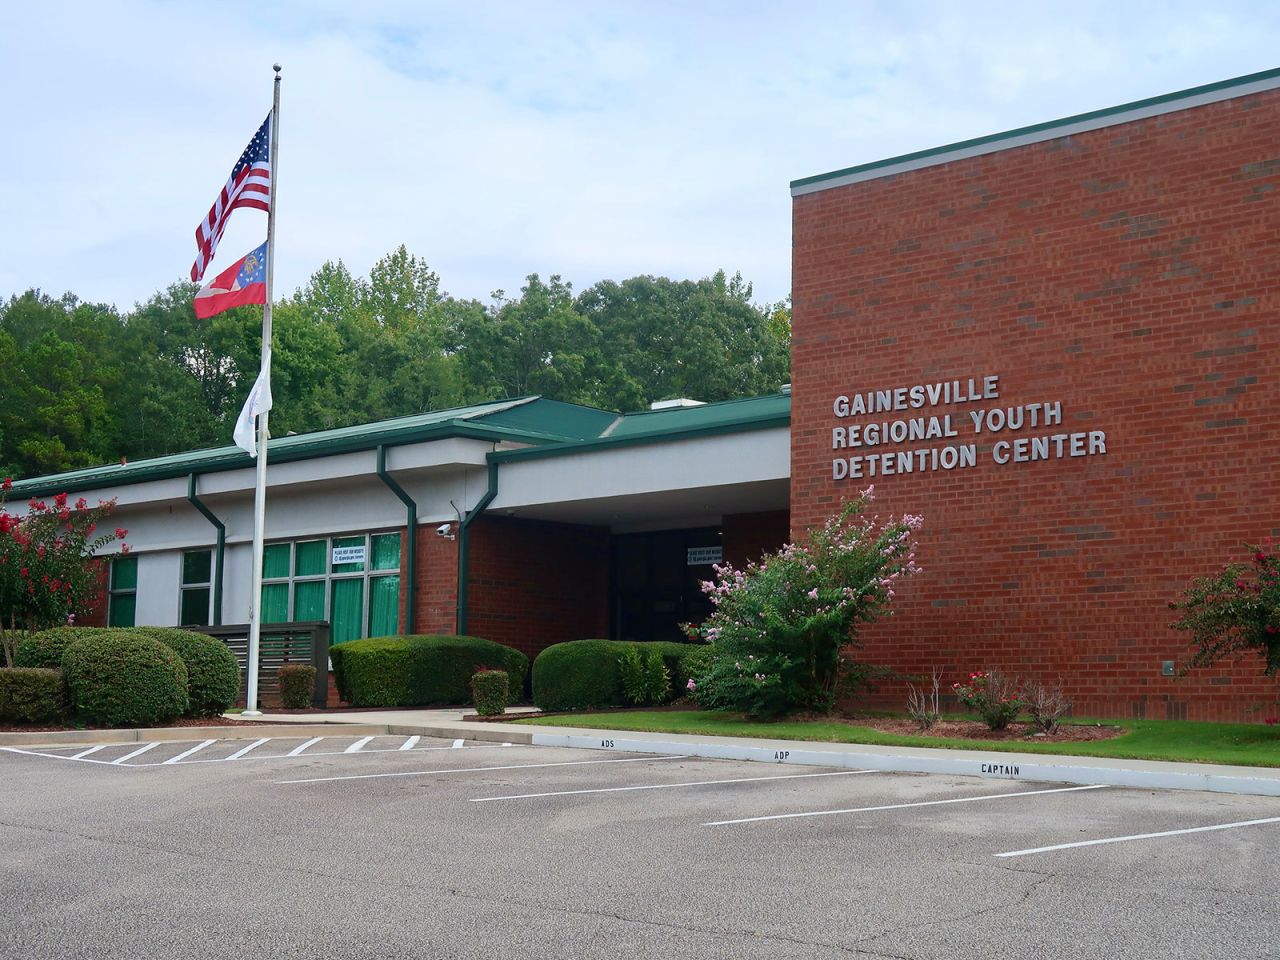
x: 86, y: 384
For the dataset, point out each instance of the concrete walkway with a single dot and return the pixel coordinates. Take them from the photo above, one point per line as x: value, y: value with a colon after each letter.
x: 448, y: 723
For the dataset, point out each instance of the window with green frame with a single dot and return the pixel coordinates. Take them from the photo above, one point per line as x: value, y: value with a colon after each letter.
x: 359, y: 596
x: 197, y: 579
x: 122, y: 594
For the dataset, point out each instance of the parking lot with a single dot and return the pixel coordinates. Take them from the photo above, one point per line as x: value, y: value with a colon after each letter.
x: 343, y: 846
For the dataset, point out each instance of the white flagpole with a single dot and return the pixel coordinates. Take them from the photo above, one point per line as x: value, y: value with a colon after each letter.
x: 260, y: 485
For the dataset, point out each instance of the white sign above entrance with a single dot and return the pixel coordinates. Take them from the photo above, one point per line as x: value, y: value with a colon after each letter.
x: 701, y: 556
x: 348, y: 555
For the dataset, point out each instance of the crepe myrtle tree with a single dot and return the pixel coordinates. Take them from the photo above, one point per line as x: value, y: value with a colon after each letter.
x: 779, y: 625
x: 1235, y: 611
x: 48, y: 575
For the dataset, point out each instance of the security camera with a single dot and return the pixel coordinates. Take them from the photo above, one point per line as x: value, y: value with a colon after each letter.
x: 445, y: 531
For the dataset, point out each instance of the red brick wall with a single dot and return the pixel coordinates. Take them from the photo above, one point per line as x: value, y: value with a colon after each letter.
x: 532, y: 584
x: 747, y: 536
x: 96, y: 614
x: 436, y: 603
x: 1130, y: 273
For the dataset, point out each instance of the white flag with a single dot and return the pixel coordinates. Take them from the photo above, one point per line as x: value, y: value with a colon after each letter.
x: 258, y: 402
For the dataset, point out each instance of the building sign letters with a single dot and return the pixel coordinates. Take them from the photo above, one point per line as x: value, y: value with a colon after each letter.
x: 1006, y: 434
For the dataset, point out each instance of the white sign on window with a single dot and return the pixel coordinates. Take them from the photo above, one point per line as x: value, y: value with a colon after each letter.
x: 348, y: 555
x: 701, y: 556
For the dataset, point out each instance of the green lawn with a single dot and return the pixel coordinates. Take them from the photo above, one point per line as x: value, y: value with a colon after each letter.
x: 1235, y: 743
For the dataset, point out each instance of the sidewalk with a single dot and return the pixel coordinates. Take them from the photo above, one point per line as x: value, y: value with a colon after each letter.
x: 448, y: 723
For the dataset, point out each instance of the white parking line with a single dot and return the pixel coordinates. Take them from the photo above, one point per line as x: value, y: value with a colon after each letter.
x: 185, y: 753
x: 517, y: 766
x: 302, y: 746
x: 52, y: 756
x: 243, y: 750
x: 141, y: 750
x: 1139, y: 836
x: 355, y: 747
x: 669, y: 786
x: 902, y: 806
x: 85, y: 753
x: 408, y: 744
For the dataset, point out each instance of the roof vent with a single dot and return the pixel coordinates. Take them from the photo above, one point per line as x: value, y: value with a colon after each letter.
x: 673, y: 404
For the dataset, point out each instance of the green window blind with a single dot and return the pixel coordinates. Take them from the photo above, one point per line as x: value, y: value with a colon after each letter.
x: 384, y: 606
x: 275, y: 562
x: 124, y: 573
x: 309, y: 558
x: 346, y: 611
x: 122, y: 609
x: 385, y: 550
x: 308, y: 600
x: 275, y: 603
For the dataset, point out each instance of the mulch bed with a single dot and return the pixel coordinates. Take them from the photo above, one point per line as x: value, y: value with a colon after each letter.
x: 977, y: 730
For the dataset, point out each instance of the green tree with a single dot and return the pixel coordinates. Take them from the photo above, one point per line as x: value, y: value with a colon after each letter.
x: 536, y: 344
x: 705, y: 339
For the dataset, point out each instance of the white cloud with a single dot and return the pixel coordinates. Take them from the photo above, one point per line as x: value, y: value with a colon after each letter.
x: 591, y: 140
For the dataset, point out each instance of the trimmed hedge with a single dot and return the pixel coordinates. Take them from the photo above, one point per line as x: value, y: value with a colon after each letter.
x: 418, y: 670
x: 118, y: 678
x: 45, y: 649
x: 586, y: 673
x: 491, y: 692
x: 32, y: 695
x: 297, y: 685
x: 213, y: 674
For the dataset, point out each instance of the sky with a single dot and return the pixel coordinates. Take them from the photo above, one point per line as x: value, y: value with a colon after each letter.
x: 593, y: 140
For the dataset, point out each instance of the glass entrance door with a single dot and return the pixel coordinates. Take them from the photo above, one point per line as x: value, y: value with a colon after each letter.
x: 655, y: 582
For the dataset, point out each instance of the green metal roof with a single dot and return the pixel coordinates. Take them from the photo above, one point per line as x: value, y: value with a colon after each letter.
x: 1166, y: 103
x: 546, y: 424
x: 538, y: 421
x: 676, y: 423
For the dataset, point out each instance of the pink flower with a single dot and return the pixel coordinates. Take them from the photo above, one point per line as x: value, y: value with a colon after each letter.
x: 691, y: 685
x: 813, y: 594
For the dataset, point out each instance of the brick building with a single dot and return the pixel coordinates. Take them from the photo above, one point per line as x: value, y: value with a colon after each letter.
x: 1060, y: 344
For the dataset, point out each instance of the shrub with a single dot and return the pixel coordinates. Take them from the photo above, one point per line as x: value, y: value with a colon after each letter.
x: 118, y: 678
x: 418, y: 670
x: 779, y: 625
x: 32, y: 695
x: 213, y: 674
x: 992, y: 696
x: 45, y: 649
x: 1046, y: 704
x: 490, y: 690
x: 586, y: 673
x: 644, y: 679
x: 297, y: 684
x: 1238, y: 610
x: 924, y: 705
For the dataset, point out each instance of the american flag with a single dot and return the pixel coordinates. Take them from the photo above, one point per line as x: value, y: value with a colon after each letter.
x: 248, y: 186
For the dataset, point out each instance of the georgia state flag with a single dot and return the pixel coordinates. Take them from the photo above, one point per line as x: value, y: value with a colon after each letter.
x: 245, y: 281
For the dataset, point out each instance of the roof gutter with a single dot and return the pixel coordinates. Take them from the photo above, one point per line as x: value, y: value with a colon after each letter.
x: 220, y: 553
x: 463, y: 544
x: 411, y: 538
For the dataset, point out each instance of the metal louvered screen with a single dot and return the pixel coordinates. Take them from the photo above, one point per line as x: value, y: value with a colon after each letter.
x: 280, y: 643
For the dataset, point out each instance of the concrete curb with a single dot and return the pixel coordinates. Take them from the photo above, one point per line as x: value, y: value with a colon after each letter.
x: 1154, y: 775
